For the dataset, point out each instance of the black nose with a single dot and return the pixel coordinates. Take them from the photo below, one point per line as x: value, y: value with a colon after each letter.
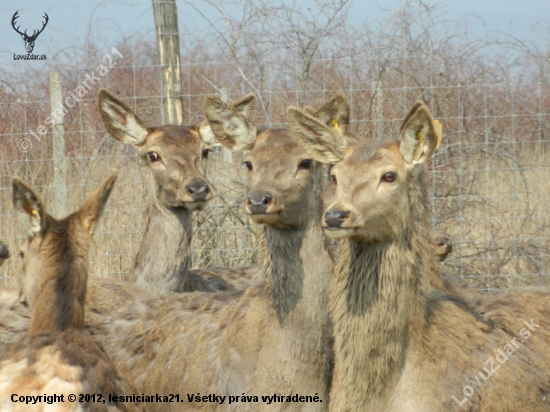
x: 198, y: 190
x: 335, y: 219
x: 258, y: 202
x: 4, y: 251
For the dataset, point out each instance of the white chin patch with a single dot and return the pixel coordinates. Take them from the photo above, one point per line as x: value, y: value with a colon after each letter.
x: 264, y: 218
x: 339, y: 233
x: 193, y: 206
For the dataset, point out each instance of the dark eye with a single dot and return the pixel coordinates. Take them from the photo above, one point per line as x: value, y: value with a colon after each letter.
x: 333, y: 179
x: 305, y: 164
x: 389, y: 177
x: 21, y: 255
x: 248, y: 165
x: 153, y: 156
x: 205, y: 153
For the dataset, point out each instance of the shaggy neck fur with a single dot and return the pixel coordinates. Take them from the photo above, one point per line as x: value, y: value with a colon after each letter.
x: 61, y: 283
x: 297, y: 263
x: 378, y: 311
x: 164, y: 257
x: 297, y: 268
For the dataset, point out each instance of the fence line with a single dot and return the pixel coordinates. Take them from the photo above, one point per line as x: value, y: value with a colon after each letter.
x: 489, y: 180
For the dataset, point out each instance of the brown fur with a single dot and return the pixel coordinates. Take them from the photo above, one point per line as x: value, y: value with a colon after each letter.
x: 274, y: 337
x: 402, y: 343
x: 58, y: 356
x: 103, y: 297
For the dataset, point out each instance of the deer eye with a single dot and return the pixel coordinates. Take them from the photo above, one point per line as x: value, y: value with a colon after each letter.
x: 333, y: 179
x: 305, y: 164
x: 21, y: 254
x: 389, y: 177
x: 205, y: 153
x: 153, y: 156
x: 248, y: 165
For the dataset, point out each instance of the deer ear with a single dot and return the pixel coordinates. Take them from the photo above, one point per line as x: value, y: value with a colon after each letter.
x: 335, y: 113
x: 120, y: 121
x: 207, y: 135
x: 29, y: 208
x: 418, y: 135
x: 91, y: 210
x: 245, y: 105
x: 229, y: 122
x: 309, y: 110
x: 322, y: 143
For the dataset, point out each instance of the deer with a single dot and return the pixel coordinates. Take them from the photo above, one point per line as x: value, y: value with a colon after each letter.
x: 271, y: 339
x: 402, y: 342
x: 4, y: 253
x: 29, y: 40
x: 176, y: 156
x: 336, y: 115
x: 57, y: 356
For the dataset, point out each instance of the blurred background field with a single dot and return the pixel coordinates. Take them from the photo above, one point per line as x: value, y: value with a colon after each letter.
x: 489, y: 181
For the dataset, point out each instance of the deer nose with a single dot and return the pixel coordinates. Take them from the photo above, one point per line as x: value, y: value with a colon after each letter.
x: 4, y: 251
x: 198, y: 190
x: 258, y: 202
x: 334, y: 219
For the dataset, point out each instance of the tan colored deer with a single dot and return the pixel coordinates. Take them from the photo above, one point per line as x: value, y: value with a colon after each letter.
x: 272, y: 338
x: 336, y: 115
x: 57, y: 356
x: 176, y: 156
x: 4, y: 253
x: 398, y: 345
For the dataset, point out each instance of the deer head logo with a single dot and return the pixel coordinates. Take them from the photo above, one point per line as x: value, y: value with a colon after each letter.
x: 29, y: 40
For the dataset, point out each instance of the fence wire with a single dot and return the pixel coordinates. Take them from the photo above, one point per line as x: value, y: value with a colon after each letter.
x: 489, y: 181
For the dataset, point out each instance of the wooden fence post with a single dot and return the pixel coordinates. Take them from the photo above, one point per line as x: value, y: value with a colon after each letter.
x: 59, y: 185
x: 168, y: 47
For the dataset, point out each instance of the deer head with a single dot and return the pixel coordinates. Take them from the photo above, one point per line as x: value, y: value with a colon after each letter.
x: 372, y: 181
x: 29, y: 40
x: 176, y: 155
x: 55, y: 255
x: 283, y: 177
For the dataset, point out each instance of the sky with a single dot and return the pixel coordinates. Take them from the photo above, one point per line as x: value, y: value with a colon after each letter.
x: 110, y: 21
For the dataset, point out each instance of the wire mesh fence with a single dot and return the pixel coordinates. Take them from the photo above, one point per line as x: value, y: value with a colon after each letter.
x: 489, y: 185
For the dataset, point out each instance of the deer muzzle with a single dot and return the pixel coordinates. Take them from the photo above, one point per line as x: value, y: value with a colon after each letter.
x: 198, y: 190
x: 4, y: 252
x: 335, y: 219
x: 258, y: 203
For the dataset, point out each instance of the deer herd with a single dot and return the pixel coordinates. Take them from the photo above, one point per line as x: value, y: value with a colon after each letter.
x: 376, y: 328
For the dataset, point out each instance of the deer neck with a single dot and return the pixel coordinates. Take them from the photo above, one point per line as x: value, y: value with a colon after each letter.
x: 164, y: 256
x: 60, y: 288
x: 418, y: 194
x: 378, y: 311
x: 298, y: 268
